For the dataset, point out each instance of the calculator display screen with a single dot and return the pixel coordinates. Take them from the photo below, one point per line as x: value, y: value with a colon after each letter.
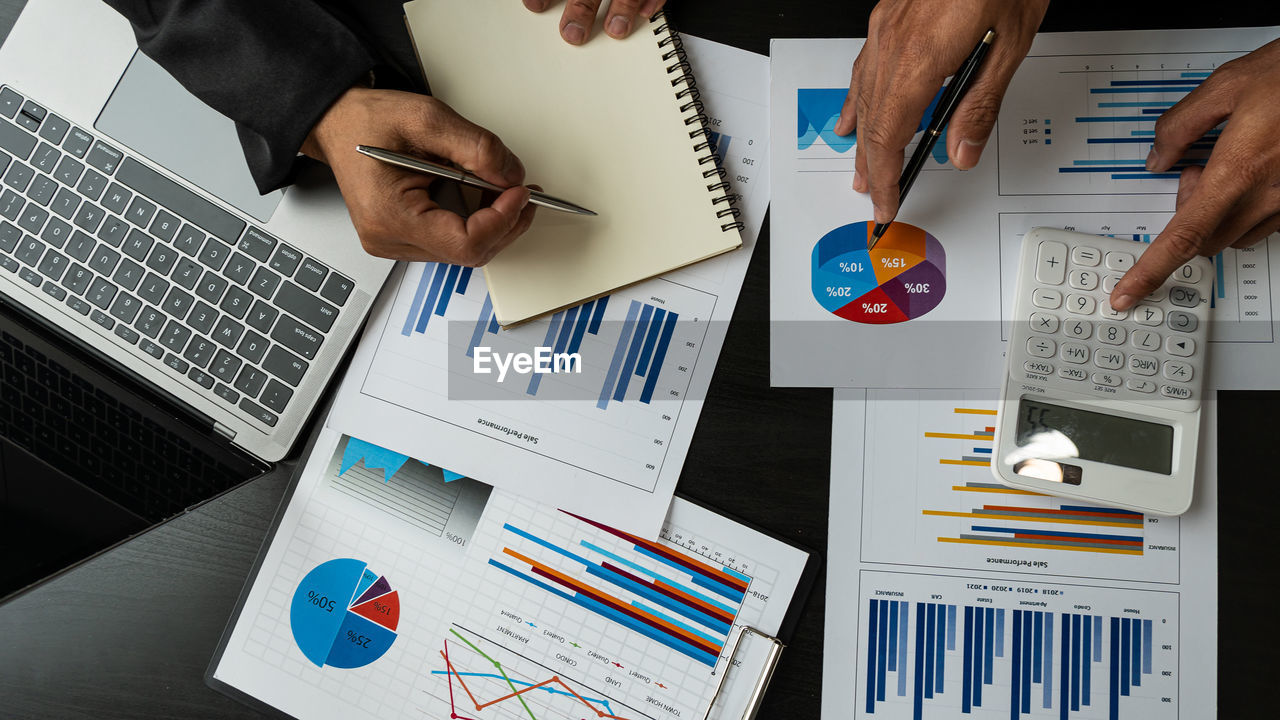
x: 1053, y: 431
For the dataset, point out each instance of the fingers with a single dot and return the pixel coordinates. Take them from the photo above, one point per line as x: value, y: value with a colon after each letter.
x: 445, y: 133
x: 1186, y: 122
x: 975, y: 116
x: 622, y: 17
x: 420, y: 230
x: 883, y: 133
x: 576, y: 22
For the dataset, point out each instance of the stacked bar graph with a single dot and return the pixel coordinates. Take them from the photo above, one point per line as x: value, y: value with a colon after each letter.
x: 987, y: 656
x: 439, y: 282
x: 669, y: 596
x: 640, y: 352
x: 982, y: 436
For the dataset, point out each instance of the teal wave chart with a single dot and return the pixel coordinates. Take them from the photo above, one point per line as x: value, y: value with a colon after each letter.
x: 818, y: 110
x: 376, y: 457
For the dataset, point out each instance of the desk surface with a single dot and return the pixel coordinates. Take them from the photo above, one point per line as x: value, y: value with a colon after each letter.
x: 129, y: 633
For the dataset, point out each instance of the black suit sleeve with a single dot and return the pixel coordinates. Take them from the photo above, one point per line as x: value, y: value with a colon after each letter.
x: 273, y: 66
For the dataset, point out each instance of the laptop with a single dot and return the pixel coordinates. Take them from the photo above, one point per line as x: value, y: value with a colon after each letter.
x: 129, y: 222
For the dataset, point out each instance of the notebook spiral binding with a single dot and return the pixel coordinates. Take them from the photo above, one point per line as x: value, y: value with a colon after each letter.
x: 695, y: 114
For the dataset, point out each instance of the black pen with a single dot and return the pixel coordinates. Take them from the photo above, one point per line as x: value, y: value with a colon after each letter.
x: 941, y: 116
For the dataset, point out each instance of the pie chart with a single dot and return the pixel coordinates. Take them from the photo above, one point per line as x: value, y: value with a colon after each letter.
x: 902, y: 278
x: 344, y: 615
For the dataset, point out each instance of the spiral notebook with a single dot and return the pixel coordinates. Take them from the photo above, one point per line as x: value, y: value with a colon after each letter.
x: 615, y: 126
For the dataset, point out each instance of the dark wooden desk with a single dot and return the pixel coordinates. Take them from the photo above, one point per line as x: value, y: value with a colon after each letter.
x: 129, y: 633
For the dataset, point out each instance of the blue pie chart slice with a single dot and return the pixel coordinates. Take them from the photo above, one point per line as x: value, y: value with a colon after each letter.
x: 324, y: 626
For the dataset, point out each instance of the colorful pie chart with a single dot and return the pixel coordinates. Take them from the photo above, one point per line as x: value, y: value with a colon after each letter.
x: 344, y: 615
x: 902, y: 278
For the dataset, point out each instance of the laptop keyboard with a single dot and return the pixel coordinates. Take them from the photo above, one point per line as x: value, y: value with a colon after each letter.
x: 190, y: 287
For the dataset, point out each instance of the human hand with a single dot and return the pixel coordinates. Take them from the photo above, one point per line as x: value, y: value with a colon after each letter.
x: 580, y: 15
x: 912, y: 46
x: 391, y: 207
x: 1234, y: 200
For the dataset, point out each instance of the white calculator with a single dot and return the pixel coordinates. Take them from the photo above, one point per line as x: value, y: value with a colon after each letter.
x: 1097, y: 404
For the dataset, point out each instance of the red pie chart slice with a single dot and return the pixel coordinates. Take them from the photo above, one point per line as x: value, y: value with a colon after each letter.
x: 874, y: 308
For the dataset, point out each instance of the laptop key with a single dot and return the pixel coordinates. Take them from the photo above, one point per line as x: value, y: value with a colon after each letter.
x: 29, y: 250
x: 199, y: 352
x: 140, y: 211
x: 90, y: 217
x: 137, y: 244
x: 102, y: 319
x: 286, y: 259
x: 150, y: 322
x: 165, y: 225
x: 226, y: 393
x: 124, y: 333
x: 176, y: 363
x: 101, y: 293
x: 262, y: 316
x: 126, y: 307
x: 264, y: 283
x: 152, y: 349
x: 42, y: 189
x: 227, y: 332
x: 78, y: 305
x: 56, y: 233
x: 77, y: 279
x: 116, y: 198
x: 30, y: 276
x: 257, y: 244
x: 306, y: 307
x: 55, y: 128
x: 19, y: 176
x: 10, y: 101
x: 215, y: 253
x: 33, y: 218
x: 211, y: 286
x: 297, y: 337
x: 53, y: 291
x: 175, y: 336
x: 239, y: 269
x: 80, y: 246
x: 15, y: 141
x: 253, y: 347
x: 46, y: 157
x: 250, y: 381
x: 180, y: 200
x: 104, y: 260
x: 202, y: 318
x: 311, y: 275
x: 104, y: 157
x: 276, y: 396
x: 31, y: 115
x: 177, y: 303
x: 189, y: 240
x: 337, y: 289
x: 162, y: 258
x: 113, y: 231
x: 129, y: 274
x: 225, y: 366
x: 9, y: 263
x: 187, y: 273
x: 284, y: 365
x: 266, y: 417
x: 65, y: 203
x: 201, y: 378
x: 69, y: 171
x: 92, y: 184
x: 153, y: 288
x: 54, y: 264
x: 11, y: 204
x: 236, y: 302
x: 77, y: 142
x: 10, y: 235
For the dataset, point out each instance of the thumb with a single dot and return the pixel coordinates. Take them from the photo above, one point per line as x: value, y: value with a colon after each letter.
x: 976, y: 114
x: 438, y: 130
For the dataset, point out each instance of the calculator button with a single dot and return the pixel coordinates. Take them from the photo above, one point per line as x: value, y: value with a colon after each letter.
x: 1181, y: 392
x: 1184, y: 296
x: 1188, y: 273
x: 1106, y: 379
x: 1051, y: 262
x: 1180, y: 346
x: 1182, y: 322
x: 1084, y: 279
x: 1148, y: 315
x: 1111, y: 334
x: 1145, y: 340
x: 1158, y: 294
x: 1142, y: 386
x: 1072, y: 373
x: 1086, y: 256
x: 1177, y: 371
x: 1038, y: 367
x: 1119, y: 260
x: 1077, y: 328
x: 1108, y: 359
x: 1109, y: 283
x: 1041, y: 347
x: 1074, y: 353
x: 1042, y: 322
x: 1080, y: 304
x: 1105, y: 310
x: 1144, y: 365
x: 1046, y: 298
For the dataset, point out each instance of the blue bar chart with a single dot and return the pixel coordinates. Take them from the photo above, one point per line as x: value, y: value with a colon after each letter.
x: 1088, y: 129
x: 937, y: 646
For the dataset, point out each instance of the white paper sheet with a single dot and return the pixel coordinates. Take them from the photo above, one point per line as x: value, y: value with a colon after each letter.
x: 918, y: 523
x: 1057, y: 158
x: 609, y: 442
x: 390, y: 591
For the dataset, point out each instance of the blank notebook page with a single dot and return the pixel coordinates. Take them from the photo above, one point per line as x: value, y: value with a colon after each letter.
x: 598, y: 125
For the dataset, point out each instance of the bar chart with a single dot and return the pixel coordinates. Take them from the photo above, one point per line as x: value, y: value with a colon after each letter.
x: 1241, y: 299
x: 935, y: 646
x: 1083, y: 124
x: 927, y: 468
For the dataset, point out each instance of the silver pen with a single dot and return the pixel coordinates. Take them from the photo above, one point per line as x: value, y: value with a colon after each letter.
x: 537, y: 197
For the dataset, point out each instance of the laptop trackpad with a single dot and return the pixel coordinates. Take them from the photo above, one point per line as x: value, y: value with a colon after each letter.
x: 152, y: 113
